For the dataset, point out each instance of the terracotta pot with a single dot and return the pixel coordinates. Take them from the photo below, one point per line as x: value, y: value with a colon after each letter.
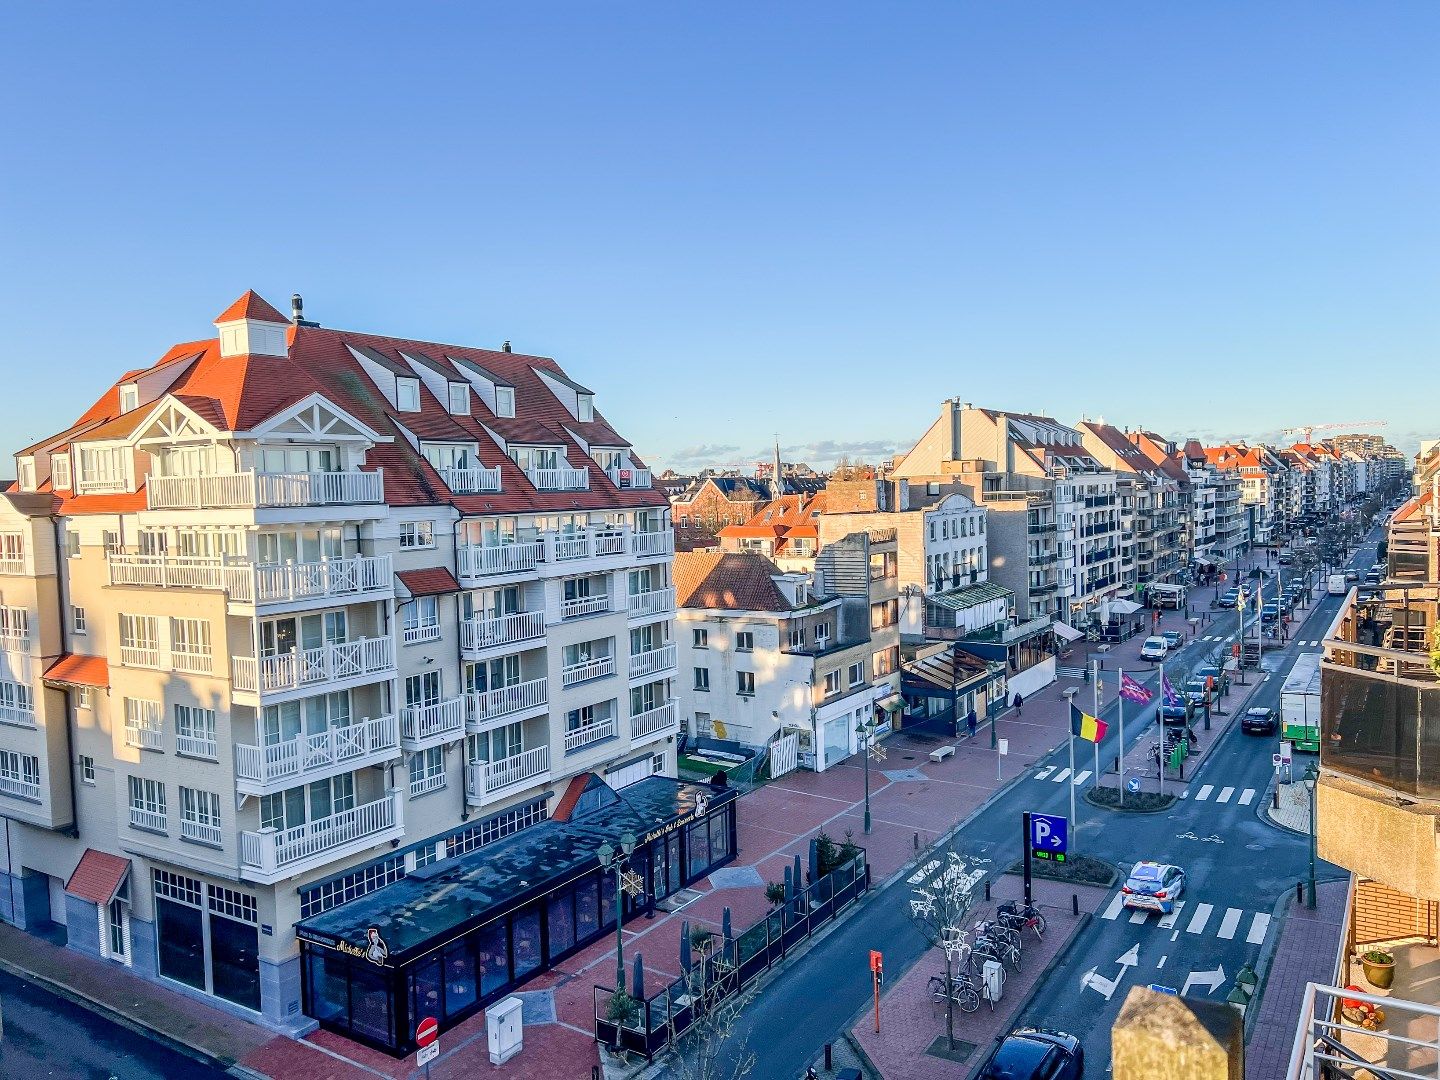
x: 1378, y: 975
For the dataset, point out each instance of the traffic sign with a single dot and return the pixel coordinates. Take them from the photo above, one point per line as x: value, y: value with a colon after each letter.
x: 1286, y: 751
x: 1132, y: 785
x: 427, y: 1031
x: 1049, y: 836
x: 877, y: 961
x: 1275, y: 760
x: 427, y: 1054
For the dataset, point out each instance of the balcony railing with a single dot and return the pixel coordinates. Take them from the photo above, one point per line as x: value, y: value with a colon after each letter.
x: 502, y: 629
x: 589, y: 733
x: 485, y: 778
x: 18, y: 715
x: 200, y: 746
x: 1327, y: 1044
x: 471, y: 481
x: 200, y: 832
x: 308, y: 755
x: 145, y: 736
x: 584, y: 605
x: 645, y: 724
x: 264, y: 584
x: 629, y: 478
x: 652, y: 543
x: 309, y: 667
x: 13, y: 566
x: 586, y: 670
x: 146, y: 656
x: 149, y: 820
x: 441, y: 722
x: 561, y: 479
x: 272, y: 850
x: 1040, y: 529
x: 411, y: 635
x: 654, y: 602
x: 246, y: 490
x: 589, y: 544
x: 648, y: 663
x: 20, y: 789
x: 477, y: 560
x: 487, y: 705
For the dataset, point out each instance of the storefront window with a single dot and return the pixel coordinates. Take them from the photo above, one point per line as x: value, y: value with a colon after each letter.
x: 235, y: 963
x: 182, y: 942
x: 459, y: 979
x: 719, y: 836
x: 526, y: 938
x: 587, y: 909
x: 329, y: 986
x: 490, y: 956
x: 425, y: 990
x: 562, y: 922
x: 370, y: 1012
x: 699, y: 838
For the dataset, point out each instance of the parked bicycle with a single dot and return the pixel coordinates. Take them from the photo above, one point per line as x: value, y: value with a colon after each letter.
x: 1022, y: 917
x: 995, y: 943
x: 963, y: 991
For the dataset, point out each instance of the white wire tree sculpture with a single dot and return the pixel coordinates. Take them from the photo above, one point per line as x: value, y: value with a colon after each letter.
x: 939, y: 908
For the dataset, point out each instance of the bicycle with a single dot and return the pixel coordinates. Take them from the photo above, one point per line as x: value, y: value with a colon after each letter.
x: 1022, y: 917
x: 1000, y: 931
x: 963, y: 991
x: 993, y: 948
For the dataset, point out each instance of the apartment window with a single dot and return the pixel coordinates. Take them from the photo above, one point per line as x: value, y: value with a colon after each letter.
x: 822, y: 634
x: 17, y: 704
x: 427, y: 770
x: 702, y: 678
x: 14, y: 624
x: 129, y: 398
x: 700, y: 638
x: 85, y: 699
x: 420, y: 619
x: 12, y: 551
x: 407, y: 395
x: 87, y: 769
x: 60, y: 470
x: 200, y: 816
x: 832, y: 683
x: 417, y: 534
x: 110, y: 541
x: 460, y: 399
x: 504, y: 401
x: 27, y: 474
x: 703, y: 727
x: 140, y: 641
x: 190, y: 645
x: 745, y: 683
x: 744, y: 641
x: 195, y: 732
x: 77, y: 619
x: 886, y: 661
x: 884, y: 614
x: 856, y: 674
x: 352, y: 886
x: 19, y: 774
x: 144, y: 727
x: 147, y: 804
x: 584, y: 408
x: 72, y: 545
x: 797, y: 638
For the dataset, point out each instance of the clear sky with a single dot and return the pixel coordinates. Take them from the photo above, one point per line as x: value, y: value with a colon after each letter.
x: 732, y: 220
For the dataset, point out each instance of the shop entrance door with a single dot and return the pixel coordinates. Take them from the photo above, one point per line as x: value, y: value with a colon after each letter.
x: 665, y: 865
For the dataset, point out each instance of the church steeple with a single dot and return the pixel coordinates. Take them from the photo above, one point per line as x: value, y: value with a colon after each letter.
x: 777, y: 485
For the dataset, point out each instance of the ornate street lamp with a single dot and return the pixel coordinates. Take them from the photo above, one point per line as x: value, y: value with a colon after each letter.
x: 625, y: 881
x: 1312, y: 774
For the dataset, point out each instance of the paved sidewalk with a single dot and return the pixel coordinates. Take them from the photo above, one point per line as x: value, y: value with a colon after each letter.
x: 1305, y: 953
x: 1294, y: 812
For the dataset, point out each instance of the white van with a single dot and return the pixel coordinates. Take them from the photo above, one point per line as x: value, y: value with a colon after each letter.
x: 1336, y: 585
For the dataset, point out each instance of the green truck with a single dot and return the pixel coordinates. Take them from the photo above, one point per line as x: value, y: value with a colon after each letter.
x: 1300, y: 704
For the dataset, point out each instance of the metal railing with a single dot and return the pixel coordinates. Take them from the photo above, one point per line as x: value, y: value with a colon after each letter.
x: 502, y: 629
x: 654, y: 602
x: 442, y: 720
x: 589, y: 733
x: 584, y: 605
x: 471, y: 481
x: 270, y: 850
x: 652, y: 721
x: 307, y: 667
x: 486, y: 778
x: 250, y: 489
x: 586, y: 670
x: 309, y: 754
x: 561, y: 479
x: 477, y: 560
x: 1329, y: 1046
x: 652, y: 661
x: 486, y: 705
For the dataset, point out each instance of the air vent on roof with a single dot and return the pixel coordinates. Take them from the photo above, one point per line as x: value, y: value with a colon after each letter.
x: 297, y: 311
x: 505, y: 346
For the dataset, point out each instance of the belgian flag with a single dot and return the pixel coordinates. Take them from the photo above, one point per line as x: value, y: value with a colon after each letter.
x: 1087, y: 727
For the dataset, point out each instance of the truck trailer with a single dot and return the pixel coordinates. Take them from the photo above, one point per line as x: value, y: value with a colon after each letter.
x: 1300, y: 703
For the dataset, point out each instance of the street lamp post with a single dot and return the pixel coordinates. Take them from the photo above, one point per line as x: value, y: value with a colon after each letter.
x: 610, y: 859
x: 1312, y: 774
x: 867, y: 734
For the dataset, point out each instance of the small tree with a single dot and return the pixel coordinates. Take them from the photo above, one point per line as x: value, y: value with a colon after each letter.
x: 938, y: 909
x: 775, y: 893
x: 708, y: 1048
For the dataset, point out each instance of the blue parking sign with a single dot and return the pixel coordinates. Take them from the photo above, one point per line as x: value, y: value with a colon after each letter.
x: 1049, y: 834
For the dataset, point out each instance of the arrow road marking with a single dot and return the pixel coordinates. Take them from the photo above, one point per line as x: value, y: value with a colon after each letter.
x: 1101, y: 985
x: 1229, y: 923
x: 1169, y: 920
x: 1043, y: 773
x: 1115, y: 904
x: 1247, y: 796
x: 1258, y: 926
x: 1204, y: 793
x: 1202, y: 916
x: 1131, y: 956
x: 1225, y: 795
x: 1081, y: 777
x: 1208, y: 979
x: 1059, y: 777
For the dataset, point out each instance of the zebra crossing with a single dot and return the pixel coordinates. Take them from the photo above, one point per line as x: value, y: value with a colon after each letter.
x: 1226, y: 794
x: 1196, y: 918
x: 1061, y: 775
x: 1302, y: 643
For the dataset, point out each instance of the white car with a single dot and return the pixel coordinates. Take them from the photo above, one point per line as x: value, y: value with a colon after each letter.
x: 1154, y: 648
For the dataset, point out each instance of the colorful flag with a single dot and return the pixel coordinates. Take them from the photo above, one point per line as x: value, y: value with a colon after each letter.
x: 1131, y: 690
x: 1172, y: 696
x: 1082, y: 724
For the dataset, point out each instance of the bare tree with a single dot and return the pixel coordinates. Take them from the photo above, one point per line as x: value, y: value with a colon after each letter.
x: 704, y: 1050
x: 939, y: 908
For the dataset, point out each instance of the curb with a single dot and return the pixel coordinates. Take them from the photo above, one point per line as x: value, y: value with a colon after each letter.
x: 1263, y: 811
x: 1127, y: 810
x: 129, y: 1023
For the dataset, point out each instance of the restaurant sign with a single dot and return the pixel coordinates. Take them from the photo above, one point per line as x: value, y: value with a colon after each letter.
x: 701, y: 808
x: 373, y: 948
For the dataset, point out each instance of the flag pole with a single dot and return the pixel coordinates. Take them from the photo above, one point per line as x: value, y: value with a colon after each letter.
x: 1120, y: 704
x: 1160, y: 716
x: 1098, y: 695
x: 1071, y: 777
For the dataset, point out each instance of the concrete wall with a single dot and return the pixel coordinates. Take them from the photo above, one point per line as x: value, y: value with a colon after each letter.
x: 1362, y: 830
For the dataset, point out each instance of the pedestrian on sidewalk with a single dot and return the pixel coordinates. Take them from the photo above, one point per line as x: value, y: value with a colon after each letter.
x: 970, y: 723
x: 1018, y: 702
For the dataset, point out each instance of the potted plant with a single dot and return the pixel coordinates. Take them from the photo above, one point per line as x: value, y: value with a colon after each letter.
x: 775, y: 894
x: 1379, y: 967
x: 622, y: 1009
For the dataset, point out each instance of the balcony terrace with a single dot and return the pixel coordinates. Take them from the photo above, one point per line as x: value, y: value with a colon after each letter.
x: 486, y: 781
x: 268, y: 855
x: 252, y: 490
x: 270, y: 767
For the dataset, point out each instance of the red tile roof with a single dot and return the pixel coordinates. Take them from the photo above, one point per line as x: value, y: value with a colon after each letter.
x: 430, y: 581
x: 731, y: 580
x: 79, y: 669
x: 251, y: 306
x: 566, y: 806
x: 98, y: 876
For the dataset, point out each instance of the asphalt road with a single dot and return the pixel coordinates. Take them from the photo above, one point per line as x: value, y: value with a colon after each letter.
x: 1246, y: 870
x: 42, y: 1035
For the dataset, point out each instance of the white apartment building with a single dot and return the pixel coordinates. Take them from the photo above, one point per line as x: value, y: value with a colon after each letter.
x: 292, y: 613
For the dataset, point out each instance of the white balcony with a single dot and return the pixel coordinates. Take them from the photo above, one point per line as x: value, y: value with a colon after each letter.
x: 15, y: 666
x: 145, y: 736
x: 486, y: 707
x: 17, y: 715
x: 143, y: 656
x: 423, y: 726
x: 485, y: 780
x: 655, y: 602
x: 643, y: 544
x: 563, y: 547
x: 149, y: 820
x: 270, y: 854
x: 478, y: 634
x: 252, y: 490
x: 346, y: 661
x: 413, y: 635
x: 200, y: 832
x: 583, y: 736
x: 584, y: 605
x: 629, y: 478
x: 654, y: 722
x: 192, y: 663
x: 598, y: 668
x: 356, y: 576
x: 561, y: 479
x: 198, y: 746
x: 20, y: 789
x: 260, y: 770
x: 652, y: 662
x: 481, y: 561
x: 14, y: 566
x: 471, y: 481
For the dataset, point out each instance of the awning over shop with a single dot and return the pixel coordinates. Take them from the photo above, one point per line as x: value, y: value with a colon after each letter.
x: 98, y: 877
x: 1123, y: 607
x: 1066, y: 632
x: 945, y: 672
x: 1165, y: 589
x: 971, y: 596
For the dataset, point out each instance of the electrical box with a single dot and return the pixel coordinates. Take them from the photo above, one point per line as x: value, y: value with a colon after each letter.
x: 504, y: 1029
x: 993, y: 976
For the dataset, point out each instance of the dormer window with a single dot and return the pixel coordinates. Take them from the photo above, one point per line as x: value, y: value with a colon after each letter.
x: 504, y: 401
x: 407, y: 395
x: 585, y: 408
x: 27, y: 474
x: 60, y: 468
x: 129, y: 398
x: 459, y: 399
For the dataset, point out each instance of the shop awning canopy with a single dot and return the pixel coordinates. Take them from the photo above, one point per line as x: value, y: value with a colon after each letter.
x: 448, y: 897
x: 946, y: 672
x: 971, y: 596
x: 1123, y: 607
x: 1066, y: 632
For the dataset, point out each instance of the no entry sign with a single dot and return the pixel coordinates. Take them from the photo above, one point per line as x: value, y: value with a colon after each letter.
x: 427, y: 1031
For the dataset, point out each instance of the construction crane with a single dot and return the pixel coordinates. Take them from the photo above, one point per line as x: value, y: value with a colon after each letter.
x: 1309, y: 429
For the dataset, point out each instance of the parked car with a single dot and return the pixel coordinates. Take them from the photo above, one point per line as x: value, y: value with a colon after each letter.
x: 1228, y: 598
x: 1154, y: 648
x: 1352, y: 576
x: 1270, y: 612
x: 1372, y: 577
x: 1036, y: 1054
x: 1213, y: 671
x: 1153, y: 886
x: 1172, y: 714
x: 1259, y: 720
x: 1286, y: 558
x: 1173, y: 639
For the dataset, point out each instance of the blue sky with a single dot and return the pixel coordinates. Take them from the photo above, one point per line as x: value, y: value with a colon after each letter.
x: 733, y: 220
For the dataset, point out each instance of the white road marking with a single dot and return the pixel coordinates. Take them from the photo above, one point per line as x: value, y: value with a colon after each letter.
x: 1247, y: 796
x: 1170, y: 920
x: 1204, y: 793
x: 1202, y: 916
x: 1175, y: 935
x: 1161, y: 962
x: 1258, y: 926
x: 1060, y: 776
x: 1081, y: 777
x: 1043, y: 773
x: 1229, y: 923
x: 1225, y: 795
x: 1115, y: 904
x: 1139, y: 915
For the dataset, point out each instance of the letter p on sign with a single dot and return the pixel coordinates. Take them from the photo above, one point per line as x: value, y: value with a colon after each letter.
x: 877, y: 961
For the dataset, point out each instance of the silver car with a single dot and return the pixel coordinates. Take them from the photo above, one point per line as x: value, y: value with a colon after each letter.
x: 1154, y: 886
